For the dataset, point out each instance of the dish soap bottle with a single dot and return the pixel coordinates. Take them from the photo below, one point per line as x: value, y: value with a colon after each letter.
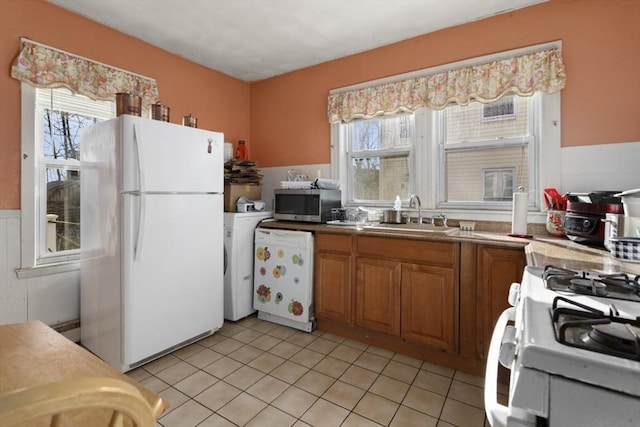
x: 241, y: 151
x: 397, y: 205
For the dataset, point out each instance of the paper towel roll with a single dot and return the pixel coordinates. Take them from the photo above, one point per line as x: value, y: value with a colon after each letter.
x: 519, y: 216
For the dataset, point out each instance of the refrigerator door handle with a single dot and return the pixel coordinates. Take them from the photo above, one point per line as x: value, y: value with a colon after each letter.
x: 137, y: 138
x: 137, y: 249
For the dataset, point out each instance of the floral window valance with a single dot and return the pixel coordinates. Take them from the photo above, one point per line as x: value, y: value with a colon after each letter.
x: 46, y: 67
x: 523, y: 75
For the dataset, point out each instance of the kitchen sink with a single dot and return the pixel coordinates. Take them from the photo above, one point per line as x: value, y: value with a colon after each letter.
x: 419, y: 228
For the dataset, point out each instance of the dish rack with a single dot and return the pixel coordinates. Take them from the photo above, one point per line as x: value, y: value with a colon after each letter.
x: 296, y: 185
x: 345, y: 216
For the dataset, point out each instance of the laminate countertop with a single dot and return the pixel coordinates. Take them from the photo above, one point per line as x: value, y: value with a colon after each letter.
x: 540, y: 250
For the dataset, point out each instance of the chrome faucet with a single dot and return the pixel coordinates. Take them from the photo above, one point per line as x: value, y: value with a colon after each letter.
x: 413, y: 201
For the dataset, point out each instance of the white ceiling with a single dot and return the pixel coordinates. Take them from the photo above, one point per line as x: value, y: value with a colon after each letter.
x: 256, y: 39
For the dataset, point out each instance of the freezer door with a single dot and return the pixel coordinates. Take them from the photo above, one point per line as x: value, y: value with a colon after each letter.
x: 172, y: 271
x: 165, y: 157
x: 283, y: 275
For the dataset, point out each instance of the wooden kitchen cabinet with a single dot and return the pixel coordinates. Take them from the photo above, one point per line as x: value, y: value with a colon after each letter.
x: 378, y: 295
x: 430, y: 308
x: 497, y: 268
x: 408, y: 288
x: 333, y: 277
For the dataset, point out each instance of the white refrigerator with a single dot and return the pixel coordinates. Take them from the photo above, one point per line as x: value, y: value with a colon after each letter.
x: 152, y: 238
x: 283, y: 277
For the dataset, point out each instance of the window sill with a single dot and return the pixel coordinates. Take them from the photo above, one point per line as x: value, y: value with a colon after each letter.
x: 47, y: 269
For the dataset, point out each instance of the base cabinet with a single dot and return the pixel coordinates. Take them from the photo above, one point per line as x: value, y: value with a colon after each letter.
x: 497, y: 269
x: 333, y: 277
x: 378, y: 295
x: 430, y: 309
x: 434, y: 300
x: 409, y: 288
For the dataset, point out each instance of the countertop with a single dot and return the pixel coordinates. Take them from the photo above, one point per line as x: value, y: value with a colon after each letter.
x: 540, y: 250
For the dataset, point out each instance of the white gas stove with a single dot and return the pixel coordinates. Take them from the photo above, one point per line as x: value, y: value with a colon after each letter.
x: 573, y: 351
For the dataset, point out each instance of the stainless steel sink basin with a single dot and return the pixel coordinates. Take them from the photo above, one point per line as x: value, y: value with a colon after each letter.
x: 419, y: 228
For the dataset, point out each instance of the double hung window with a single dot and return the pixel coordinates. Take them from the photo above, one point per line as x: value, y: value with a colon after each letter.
x: 52, y: 179
x: 486, y: 151
x: 463, y: 136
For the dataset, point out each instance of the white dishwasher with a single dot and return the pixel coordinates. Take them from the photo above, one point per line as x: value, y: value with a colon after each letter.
x: 283, y: 277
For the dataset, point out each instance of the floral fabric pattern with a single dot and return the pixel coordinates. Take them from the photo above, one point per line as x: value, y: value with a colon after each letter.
x: 46, y: 67
x: 523, y: 75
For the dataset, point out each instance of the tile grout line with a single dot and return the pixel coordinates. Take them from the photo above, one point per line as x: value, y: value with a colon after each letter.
x: 229, y: 333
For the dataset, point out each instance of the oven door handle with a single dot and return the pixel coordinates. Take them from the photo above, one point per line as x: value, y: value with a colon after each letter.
x: 496, y: 413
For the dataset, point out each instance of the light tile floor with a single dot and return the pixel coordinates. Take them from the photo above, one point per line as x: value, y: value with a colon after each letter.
x: 257, y: 373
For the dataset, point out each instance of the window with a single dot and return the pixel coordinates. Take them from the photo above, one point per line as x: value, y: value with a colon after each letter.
x: 498, y: 183
x: 468, y: 159
x: 501, y: 109
x: 454, y: 159
x: 51, y: 171
x: 482, y: 162
x: 380, y: 157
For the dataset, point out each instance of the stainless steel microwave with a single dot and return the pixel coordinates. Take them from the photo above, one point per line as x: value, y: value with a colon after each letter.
x: 306, y: 205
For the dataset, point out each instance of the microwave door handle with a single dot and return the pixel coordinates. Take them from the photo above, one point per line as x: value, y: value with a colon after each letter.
x: 496, y: 413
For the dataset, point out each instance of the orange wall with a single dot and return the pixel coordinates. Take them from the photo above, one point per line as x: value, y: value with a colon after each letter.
x: 283, y: 119
x: 218, y: 101
x: 600, y: 104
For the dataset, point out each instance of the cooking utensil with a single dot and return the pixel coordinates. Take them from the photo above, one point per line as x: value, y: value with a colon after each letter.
x: 392, y: 216
x: 554, y: 200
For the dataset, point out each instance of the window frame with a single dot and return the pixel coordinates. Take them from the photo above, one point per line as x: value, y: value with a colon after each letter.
x: 498, y: 117
x: 495, y: 172
x: 34, y: 193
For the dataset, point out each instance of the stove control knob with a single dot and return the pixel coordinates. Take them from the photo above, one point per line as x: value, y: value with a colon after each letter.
x: 508, y: 347
x: 514, y: 293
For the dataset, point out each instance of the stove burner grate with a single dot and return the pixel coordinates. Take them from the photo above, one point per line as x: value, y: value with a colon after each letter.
x: 616, y: 286
x: 618, y: 336
x: 584, y: 327
x: 588, y: 287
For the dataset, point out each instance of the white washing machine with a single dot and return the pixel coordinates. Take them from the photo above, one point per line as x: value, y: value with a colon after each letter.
x: 238, y: 262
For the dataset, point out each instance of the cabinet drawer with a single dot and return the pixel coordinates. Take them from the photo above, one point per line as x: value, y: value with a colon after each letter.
x: 333, y: 242
x: 444, y: 253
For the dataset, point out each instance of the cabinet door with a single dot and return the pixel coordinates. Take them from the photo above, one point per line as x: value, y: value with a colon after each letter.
x: 378, y: 295
x: 497, y: 269
x: 430, y: 306
x: 333, y: 287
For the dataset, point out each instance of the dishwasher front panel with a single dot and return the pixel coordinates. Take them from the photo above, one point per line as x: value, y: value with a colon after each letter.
x: 283, y: 277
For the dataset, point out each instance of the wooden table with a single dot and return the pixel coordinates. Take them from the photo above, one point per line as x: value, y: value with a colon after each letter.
x: 34, y: 354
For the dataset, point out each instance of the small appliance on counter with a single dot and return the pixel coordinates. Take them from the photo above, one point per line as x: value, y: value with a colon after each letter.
x: 308, y: 205
x: 583, y: 221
